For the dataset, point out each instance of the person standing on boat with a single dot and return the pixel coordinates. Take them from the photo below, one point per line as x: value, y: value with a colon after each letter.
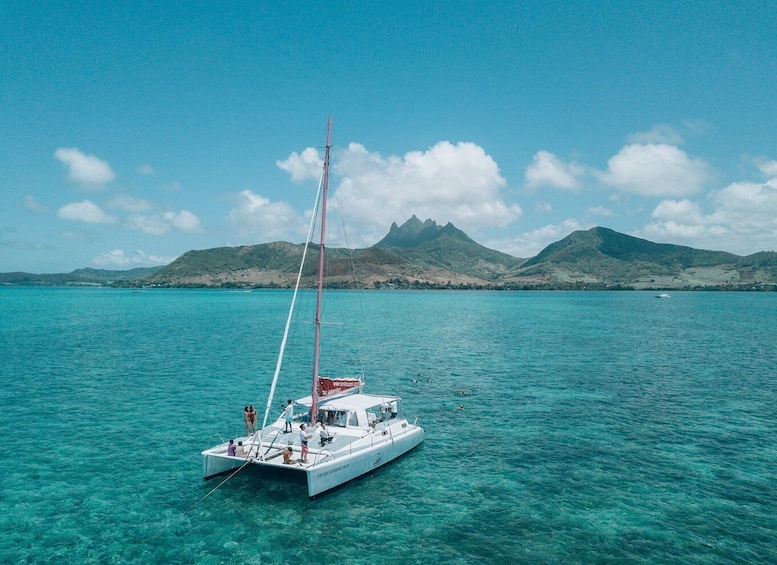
x: 393, y: 406
x: 247, y: 417
x: 252, y: 416
x: 288, y: 415
x: 304, y: 436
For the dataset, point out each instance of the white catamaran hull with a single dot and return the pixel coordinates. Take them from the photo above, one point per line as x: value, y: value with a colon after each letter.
x: 325, y: 469
x: 331, y: 474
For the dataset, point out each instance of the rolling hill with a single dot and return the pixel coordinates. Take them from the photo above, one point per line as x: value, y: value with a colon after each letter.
x: 427, y: 255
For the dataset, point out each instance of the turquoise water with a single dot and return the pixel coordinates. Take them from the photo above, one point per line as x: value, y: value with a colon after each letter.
x: 597, y: 428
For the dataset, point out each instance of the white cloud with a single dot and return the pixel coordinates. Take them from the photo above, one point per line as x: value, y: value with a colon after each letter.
x: 86, y: 211
x: 655, y: 170
x: 660, y: 133
x: 768, y: 168
x: 184, y: 221
x: 743, y: 220
x: 543, y: 207
x: 528, y: 244
x: 128, y: 203
x: 258, y: 219
x: 146, y: 170
x: 549, y: 170
x: 87, y: 170
x: 161, y: 224
x: 151, y: 224
x: 112, y: 258
x: 117, y: 258
x: 30, y: 203
x: 448, y: 183
x: 307, y: 165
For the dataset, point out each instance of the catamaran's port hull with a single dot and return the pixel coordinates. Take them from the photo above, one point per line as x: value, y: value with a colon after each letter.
x: 327, y: 474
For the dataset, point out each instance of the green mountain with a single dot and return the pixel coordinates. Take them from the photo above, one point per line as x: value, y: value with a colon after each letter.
x: 603, y: 257
x: 78, y: 277
x: 416, y: 253
x: 427, y: 255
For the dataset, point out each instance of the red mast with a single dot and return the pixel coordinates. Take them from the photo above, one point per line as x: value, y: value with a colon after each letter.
x: 324, y: 187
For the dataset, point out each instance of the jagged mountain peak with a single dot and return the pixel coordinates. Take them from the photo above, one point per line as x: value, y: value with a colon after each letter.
x: 415, y: 233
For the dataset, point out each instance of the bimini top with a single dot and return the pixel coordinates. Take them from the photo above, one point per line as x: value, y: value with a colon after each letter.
x: 349, y: 402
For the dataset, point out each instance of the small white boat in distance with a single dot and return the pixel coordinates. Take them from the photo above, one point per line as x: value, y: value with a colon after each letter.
x: 663, y: 295
x: 353, y: 433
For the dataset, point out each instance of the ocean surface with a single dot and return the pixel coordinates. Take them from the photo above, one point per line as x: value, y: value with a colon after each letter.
x: 561, y: 427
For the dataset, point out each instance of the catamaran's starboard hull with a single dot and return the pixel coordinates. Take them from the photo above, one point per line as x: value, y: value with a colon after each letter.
x: 327, y: 474
x: 331, y: 474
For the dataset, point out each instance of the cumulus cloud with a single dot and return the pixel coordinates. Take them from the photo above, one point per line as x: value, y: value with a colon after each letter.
x: 146, y: 170
x: 184, y: 221
x: 768, y: 168
x: 307, y: 165
x: 152, y: 223
x: 547, y: 169
x: 655, y: 169
x: 530, y: 243
x: 163, y: 223
x: 86, y: 170
x: 742, y: 219
x: 450, y: 183
x: 117, y: 258
x: 259, y: 219
x: 86, y: 211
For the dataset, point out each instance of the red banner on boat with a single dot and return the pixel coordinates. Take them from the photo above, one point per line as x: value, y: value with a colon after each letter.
x: 328, y: 387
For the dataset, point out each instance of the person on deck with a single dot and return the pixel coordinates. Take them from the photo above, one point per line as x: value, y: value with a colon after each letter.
x: 252, y: 416
x: 287, y: 453
x: 304, y: 436
x: 247, y: 417
x: 288, y: 415
x: 325, y: 436
x: 231, y: 448
x: 240, y: 451
x: 393, y: 407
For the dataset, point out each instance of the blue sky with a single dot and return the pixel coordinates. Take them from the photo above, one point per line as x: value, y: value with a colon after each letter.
x: 133, y: 132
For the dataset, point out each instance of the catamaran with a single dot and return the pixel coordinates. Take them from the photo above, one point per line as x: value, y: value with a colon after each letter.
x: 336, y: 434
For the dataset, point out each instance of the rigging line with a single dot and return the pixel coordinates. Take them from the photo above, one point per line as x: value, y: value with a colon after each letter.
x: 293, y: 300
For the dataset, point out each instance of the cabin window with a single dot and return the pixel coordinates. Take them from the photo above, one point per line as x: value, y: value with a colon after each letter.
x: 353, y: 420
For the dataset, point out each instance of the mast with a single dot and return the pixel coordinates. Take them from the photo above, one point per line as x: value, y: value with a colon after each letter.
x: 324, y: 188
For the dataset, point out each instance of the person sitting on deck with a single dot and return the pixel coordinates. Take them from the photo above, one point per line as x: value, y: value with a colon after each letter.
x: 240, y: 451
x: 287, y: 453
x: 325, y: 436
x: 231, y: 448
